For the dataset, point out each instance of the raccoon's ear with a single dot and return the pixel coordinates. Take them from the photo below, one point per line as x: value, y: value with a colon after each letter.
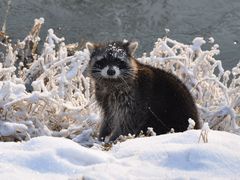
x: 132, y: 47
x: 90, y: 47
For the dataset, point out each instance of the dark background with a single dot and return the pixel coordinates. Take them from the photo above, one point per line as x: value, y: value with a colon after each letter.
x: 142, y: 20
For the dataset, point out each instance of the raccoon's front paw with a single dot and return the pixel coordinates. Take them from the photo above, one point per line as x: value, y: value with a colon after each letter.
x: 103, y: 136
x: 114, y: 136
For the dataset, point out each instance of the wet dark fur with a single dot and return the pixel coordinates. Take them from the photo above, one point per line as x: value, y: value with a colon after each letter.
x: 145, y: 97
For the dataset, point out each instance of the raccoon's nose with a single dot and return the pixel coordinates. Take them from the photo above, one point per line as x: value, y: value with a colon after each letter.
x: 111, y: 72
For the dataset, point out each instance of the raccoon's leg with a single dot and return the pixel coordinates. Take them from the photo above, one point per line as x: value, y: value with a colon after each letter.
x: 125, y: 131
x: 115, y: 134
x: 105, y: 130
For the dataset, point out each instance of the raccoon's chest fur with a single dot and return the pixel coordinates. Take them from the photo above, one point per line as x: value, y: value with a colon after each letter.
x: 118, y: 105
x: 121, y: 108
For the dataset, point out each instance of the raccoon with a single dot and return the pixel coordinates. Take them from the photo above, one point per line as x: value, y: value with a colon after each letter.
x: 134, y: 96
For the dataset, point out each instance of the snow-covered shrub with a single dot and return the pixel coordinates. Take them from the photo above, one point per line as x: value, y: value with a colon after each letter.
x: 50, y: 94
x: 47, y: 93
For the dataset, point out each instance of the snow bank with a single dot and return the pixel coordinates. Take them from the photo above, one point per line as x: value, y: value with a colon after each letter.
x: 170, y: 156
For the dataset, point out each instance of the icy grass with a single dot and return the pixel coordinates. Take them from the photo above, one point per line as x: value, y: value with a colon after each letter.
x: 171, y: 156
x: 62, y: 104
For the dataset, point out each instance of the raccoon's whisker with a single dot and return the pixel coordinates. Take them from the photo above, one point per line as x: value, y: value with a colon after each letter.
x: 96, y: 73
x: 96, y: 70
x: 132, y: 71
x: 138, y: 69
x: 129, y: 74
x: 125, y: 82
x: 98, y: 77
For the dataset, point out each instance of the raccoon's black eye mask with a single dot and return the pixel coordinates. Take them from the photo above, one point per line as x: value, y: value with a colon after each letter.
x: 114, y: 62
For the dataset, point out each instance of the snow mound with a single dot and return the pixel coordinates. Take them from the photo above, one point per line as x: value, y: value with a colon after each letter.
x: 170, y: 156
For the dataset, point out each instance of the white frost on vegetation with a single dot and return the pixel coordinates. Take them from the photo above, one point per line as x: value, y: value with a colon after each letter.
x: 62, y: 104
x: 191, y: 124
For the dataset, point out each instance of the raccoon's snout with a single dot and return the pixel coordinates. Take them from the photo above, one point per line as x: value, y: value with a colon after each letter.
x: 110, y: 72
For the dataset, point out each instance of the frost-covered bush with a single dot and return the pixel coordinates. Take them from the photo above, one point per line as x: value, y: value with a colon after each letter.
x: 47, y: 93
x: 50, y: 94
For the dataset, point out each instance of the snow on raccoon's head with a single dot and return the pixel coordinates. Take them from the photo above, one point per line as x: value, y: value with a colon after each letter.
x: 111, y: 60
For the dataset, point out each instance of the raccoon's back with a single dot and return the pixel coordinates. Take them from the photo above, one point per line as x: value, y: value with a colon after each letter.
x: 169, y: 100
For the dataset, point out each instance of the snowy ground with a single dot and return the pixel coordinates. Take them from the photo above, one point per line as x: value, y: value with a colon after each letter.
x: 170, y: 156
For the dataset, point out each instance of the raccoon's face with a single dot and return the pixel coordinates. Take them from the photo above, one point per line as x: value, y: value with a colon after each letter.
x: 112, y: 60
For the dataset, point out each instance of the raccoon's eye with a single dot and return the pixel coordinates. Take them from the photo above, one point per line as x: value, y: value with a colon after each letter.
x: 121, y: 64
x: 118, y: 60
x: 99, y: 64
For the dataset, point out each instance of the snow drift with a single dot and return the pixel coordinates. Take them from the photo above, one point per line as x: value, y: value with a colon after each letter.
x: 170, y: 156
